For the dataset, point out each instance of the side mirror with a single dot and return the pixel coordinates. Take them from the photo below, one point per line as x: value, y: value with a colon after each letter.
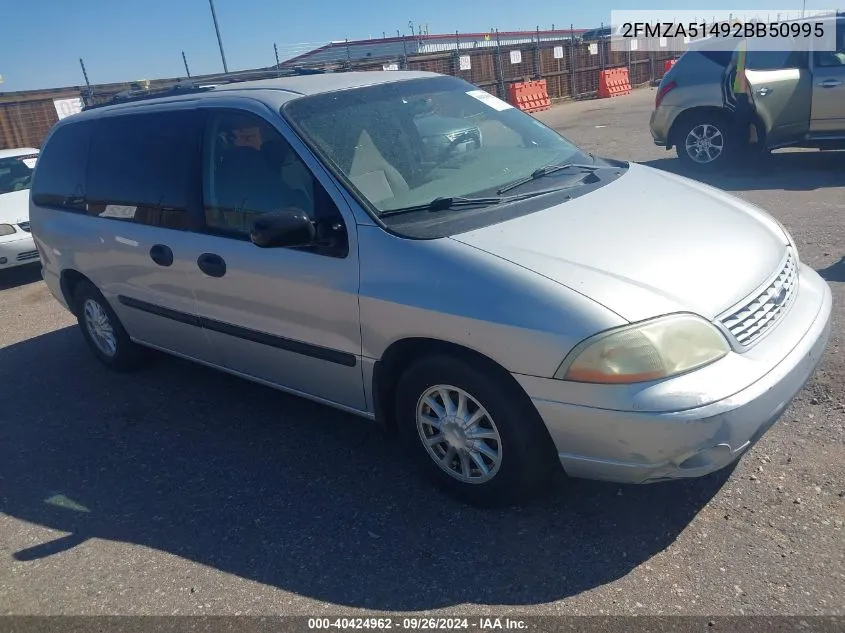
x: 288, y: 228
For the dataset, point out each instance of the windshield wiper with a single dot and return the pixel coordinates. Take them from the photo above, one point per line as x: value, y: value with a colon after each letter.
x: 441, y: 204
x: 545, y: 171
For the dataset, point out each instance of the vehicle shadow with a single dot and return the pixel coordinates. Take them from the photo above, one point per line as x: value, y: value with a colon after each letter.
x: 20, y: 276
x: 789, y: 171
x: 276, y: 489
x: 834, y: 272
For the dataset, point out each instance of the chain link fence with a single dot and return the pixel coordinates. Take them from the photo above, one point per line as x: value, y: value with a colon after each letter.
x: 570, y: 66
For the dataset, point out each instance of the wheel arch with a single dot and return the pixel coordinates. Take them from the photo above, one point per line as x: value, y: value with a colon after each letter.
x: 401, y: 354
x: 720, y: 111
x: 691, y: 113
x: 69, y: 281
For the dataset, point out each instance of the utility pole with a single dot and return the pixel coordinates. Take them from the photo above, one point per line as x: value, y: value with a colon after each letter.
x: 187, y: 70
x: 219, y: 40
x: 89, y: 95
x: 278, y: 65
x: 85, y: 73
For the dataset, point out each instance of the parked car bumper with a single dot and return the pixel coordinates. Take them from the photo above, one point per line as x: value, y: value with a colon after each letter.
x: 639, y: 447
x: 660, y: 124
x: 18, y: 251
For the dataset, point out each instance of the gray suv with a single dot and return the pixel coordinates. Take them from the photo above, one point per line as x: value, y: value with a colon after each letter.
x: 511, y: 307
x: 798, y: 98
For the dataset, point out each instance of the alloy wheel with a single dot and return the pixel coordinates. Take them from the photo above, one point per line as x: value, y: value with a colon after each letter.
x: 459, y: 434
x: 99, y: 327
x: 704, y: 143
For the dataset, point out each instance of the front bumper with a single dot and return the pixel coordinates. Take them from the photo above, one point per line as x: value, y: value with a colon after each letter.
x: 644, y: 447
x: 18, y: 251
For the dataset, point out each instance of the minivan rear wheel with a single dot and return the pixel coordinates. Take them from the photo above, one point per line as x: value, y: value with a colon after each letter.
x: 103, y: 331
x: 704, y: 141
x: 471, y: 434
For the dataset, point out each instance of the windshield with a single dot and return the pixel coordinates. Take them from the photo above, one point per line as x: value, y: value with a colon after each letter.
x: 16, y: 173
x: 407, y: 143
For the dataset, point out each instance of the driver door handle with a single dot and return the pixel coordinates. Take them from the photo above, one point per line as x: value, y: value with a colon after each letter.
x: 830, y: 83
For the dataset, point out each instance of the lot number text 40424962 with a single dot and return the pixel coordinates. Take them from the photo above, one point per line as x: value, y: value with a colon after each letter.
x: 417, y: 624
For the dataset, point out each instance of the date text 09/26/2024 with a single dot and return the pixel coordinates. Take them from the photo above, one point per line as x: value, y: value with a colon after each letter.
x: 416, y: 624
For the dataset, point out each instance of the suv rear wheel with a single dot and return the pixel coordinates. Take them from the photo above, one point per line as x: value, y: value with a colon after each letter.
x: 705, y: 141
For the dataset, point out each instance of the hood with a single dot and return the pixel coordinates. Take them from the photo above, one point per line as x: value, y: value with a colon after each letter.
x: 646, y: 244
x: 14, y: 207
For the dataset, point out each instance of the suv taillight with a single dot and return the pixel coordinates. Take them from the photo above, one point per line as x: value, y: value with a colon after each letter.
x: 664, y: 90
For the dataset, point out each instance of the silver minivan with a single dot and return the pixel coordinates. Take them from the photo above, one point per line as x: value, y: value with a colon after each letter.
x: 510, y: 304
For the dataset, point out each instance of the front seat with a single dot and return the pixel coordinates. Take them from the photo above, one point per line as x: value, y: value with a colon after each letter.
x: 283, y: 160
x: 377, y: 179
x: 247, y: 187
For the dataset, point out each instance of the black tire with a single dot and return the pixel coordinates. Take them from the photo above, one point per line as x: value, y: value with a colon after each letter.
x: 695, y: 122
x: 528, y: 459
x: 127, y: 355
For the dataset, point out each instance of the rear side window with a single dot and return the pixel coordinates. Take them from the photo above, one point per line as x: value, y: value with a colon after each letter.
x: 837, y: 57
x: 776, y: 60
x: 723, y: 58
x: 141, y: 168
x: 59, y: 178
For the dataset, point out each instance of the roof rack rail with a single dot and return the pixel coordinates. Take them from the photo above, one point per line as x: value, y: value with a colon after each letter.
x: 136, y: 94
x: 199, y: 85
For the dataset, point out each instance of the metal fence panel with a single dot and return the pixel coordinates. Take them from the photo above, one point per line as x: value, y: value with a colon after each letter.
x: 570, y: 67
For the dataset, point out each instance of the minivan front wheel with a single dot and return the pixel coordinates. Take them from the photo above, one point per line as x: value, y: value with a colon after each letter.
x: 459, y: 434
x: 103, y: 330
x: 705, y: 142
x: 471, y: 434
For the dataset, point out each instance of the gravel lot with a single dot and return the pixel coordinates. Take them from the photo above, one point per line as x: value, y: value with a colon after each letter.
x: 181, y: 490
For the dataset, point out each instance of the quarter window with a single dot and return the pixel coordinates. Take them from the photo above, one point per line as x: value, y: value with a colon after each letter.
x: 59, y: 178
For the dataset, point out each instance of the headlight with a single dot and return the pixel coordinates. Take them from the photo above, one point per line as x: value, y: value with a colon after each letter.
x: 6, y: 229
x: 650, y: 350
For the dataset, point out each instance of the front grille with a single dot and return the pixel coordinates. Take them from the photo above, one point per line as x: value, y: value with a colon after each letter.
x: 22, y: 257
x: 753, y: 319
x: 24, y: 226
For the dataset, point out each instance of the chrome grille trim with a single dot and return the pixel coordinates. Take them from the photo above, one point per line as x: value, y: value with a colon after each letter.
x: 748, y: 322
x: 26, y: 255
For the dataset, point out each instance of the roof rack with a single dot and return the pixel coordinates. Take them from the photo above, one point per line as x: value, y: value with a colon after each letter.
x: 198, y: 85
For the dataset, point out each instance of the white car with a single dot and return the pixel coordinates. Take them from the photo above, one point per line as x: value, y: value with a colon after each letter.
x: 16, y: 245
